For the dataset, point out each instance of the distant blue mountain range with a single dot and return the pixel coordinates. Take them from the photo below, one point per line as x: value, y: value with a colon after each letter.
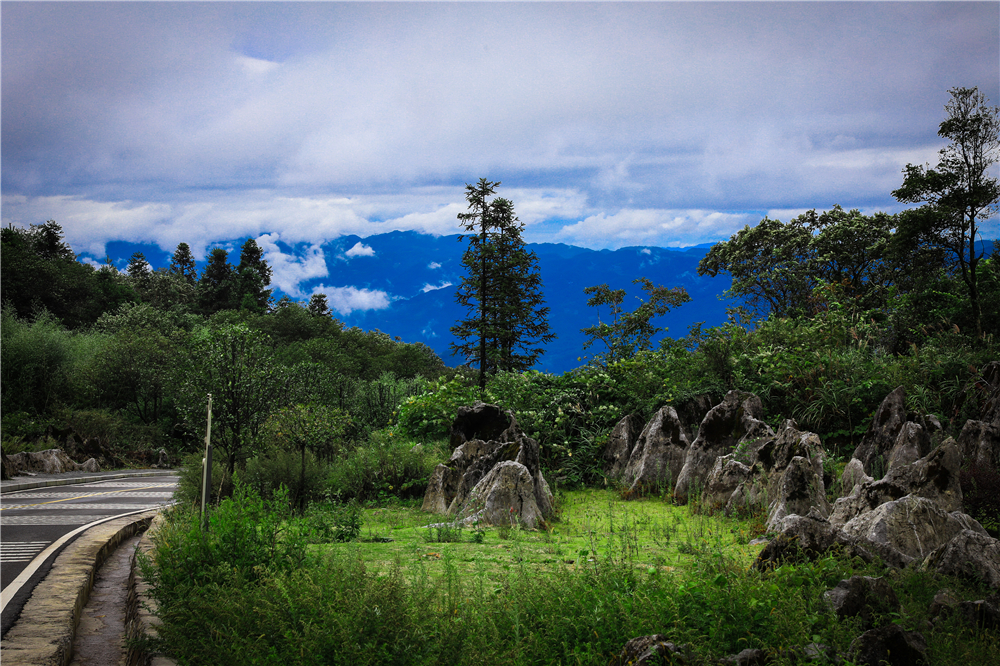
x: 419, y: 274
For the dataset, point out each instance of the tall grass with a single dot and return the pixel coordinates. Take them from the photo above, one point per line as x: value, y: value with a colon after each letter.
x: 287, y: 605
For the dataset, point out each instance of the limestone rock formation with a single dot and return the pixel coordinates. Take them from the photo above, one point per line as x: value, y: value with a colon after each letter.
x: 935, y: 477
x: 889, y: 645
x: 806, y: 538
x: 908, y: 529
x: 912, y: 443
x: 50, y: 461
x: 863, y: 597
x: 736, y: 420
x: 658, y: 455
x: 483, y: 480
x: 979, y: 443
x: 799, y: 491
x: 969, y: 554
x: 881, y: 436
x: 620, y: 445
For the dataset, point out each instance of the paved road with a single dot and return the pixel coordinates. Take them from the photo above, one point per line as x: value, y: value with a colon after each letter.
x: 35, y: 524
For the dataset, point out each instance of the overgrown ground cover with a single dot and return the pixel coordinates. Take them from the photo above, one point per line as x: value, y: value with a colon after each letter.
x: 263, y: 587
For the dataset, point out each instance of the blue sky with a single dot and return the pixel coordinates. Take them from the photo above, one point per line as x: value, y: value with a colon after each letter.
x: 609, y: 124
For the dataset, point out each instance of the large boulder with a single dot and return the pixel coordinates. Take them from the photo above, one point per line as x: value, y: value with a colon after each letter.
x: 912, y: 444
x: 935, y: 477
x: 806, y: 538
x: 50, y: 461
x: 737, y: 419
x: 880, y: 438
x: 890, y: 645
x: 970, y: 554
x: 866, y: 598
x: 907, y: 529
x: 979, y: 443
x: 658, y: 455
x: 620, y: 444
x: 800, y: 491
x: 454, y: 487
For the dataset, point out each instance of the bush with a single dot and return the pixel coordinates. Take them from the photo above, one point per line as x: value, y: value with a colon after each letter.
x: 188, y: 491
x: 385, y: 467
x: 327, y: 522
x: 429, y: 416
x: 268, y: 473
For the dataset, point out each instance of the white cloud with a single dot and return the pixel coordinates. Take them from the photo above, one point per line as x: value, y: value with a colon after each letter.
x: 433, y: 265
x: 289, y: 270
x: 360, y: 250
x: 346, y: 300
x: 645, y: 250
x: 431, y: 287
x: 663, y: 228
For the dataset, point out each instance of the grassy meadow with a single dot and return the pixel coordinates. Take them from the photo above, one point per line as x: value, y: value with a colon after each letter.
x: 260, y: 588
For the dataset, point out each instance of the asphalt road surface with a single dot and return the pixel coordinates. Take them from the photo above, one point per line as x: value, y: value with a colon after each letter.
x: 36, y: 524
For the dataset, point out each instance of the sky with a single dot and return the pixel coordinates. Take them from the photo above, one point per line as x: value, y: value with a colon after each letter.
x: 608, y: 124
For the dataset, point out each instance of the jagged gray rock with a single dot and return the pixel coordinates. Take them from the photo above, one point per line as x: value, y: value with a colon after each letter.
x: 620, y: 444
x: 979, y: 443
x: 889, y: 645
x: 935, y: 477
x: 907, y: 529
x: 737, y: 419
x: 853, y: 476
x: 912, y: 444
x: 882, y: 433
x: 799, y: 490
x: 806, y: 538
x: 451, y: 486
x: 658, y: 455
x: 864, y: 597
x: 971, y: 554
x: 649, y: 650
x: 50, y: 461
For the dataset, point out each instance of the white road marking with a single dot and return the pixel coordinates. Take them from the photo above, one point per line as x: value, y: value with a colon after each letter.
x: 23, y: 551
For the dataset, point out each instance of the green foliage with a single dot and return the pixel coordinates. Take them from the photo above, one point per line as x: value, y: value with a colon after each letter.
x: 507, y: 323
x: 630, y: 332
x: 354, y: 604
x: 191, y: 475
x: 960, y: 192
x: 34, y: 360
x: 233, y: 364
x: 305, y: 429
x: 385, y: 467
x: 428, y: 416
x: 304, y: 478
x: 981, y: 496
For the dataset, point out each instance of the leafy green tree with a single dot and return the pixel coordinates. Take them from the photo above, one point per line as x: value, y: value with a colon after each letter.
x: 182, y: 264
x: 39, y: 271
x: 501, y: 289
x: 218, y: 286
x: 776, y: 266
x: 959, y: 192
x: 318, y: 306
x: 630, y: 332
x: 132, y: 373
x: 235, y: 365
x: 311, y: 427
x: 253, y: 277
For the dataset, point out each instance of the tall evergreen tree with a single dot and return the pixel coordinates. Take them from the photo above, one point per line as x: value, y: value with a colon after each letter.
x: 254, y: 275
x: 217, y: 288
x: 501, y: 289
x: 182, y: 264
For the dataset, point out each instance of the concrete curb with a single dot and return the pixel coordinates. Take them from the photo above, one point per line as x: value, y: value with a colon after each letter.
x: 140, y: 618
x: 13, y: 485
x: 44, y: 633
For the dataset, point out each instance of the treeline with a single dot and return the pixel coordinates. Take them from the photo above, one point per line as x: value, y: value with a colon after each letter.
x: 123, y: 361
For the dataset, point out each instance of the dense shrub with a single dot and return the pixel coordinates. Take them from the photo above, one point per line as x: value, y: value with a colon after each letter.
x: 386, y: 467
x: 428, y: 416
x: 266, y: 474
